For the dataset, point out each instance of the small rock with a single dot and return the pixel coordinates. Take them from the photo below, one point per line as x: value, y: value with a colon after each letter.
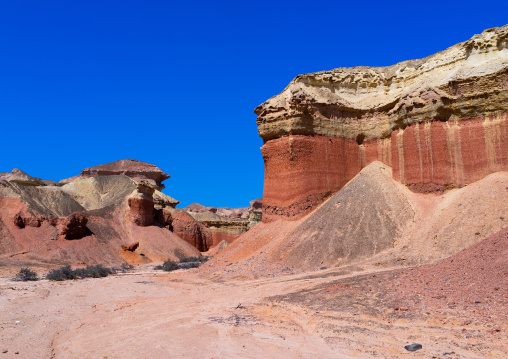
x: 477, y: 301
x: 404, y: 309
x: 4, y: 351
x: 413, y: 347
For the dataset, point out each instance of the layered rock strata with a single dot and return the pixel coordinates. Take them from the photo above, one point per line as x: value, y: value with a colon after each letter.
x: 222, y: 228
x: 107, y: 219
x: 227, y: 224
x: 440, y: 122
x: 137, y: 170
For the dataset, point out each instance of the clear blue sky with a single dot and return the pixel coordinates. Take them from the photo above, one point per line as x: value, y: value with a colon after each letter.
x: 175, y: 83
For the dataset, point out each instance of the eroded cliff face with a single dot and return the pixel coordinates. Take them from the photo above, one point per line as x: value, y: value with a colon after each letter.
x: 440, y: 122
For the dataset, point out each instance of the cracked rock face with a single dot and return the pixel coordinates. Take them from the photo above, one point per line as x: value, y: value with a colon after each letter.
x: 440, y: 122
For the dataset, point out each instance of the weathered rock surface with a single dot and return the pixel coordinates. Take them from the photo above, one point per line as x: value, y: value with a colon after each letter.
x: 440, y: 122
x: 74, y: 226
x: 192, y: 231
x: 222, y: 228
x: 137, y: 170
x: 227, y: 224
x: 104, y: 214
x: 141, y: 205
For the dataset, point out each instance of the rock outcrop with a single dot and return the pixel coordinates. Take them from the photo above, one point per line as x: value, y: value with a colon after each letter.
x: 222, y: 228
x: 227, y: 224
x: 74, y: 226
x: 141, y: 205
x: 137, y: 170
x: 95, y: 218
x: 440, y: 122
x: 192, y: 231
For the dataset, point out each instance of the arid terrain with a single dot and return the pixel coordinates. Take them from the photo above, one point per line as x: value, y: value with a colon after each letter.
x: 382, y: 232
x: 345, y: 312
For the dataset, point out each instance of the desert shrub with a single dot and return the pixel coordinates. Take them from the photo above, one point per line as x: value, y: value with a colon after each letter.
x: 99, y: 271
x: 62, y: 273
x: 168, y: 266
x: 124, y: 267
x: 26, y: 274
x: 91, y: 271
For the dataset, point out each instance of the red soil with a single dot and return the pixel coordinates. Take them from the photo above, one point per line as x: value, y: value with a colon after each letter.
x: 474, y: 280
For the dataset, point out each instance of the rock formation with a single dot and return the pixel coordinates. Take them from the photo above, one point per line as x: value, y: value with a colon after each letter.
x: 137, y: 170
x: 227, y: 224
x: 192, y: 231
x: 372, y: 220
x: 440, y: 122
x: 141, y: 205
x: 222, y: 228
x: 98, y: 217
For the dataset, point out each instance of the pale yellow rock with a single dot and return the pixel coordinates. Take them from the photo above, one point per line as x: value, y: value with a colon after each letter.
x: 467, y: 80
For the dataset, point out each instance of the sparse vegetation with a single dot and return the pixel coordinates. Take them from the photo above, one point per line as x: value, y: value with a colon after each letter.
x: 91, y: 271
x: 185, y: 263
x: 168, y: 266
x: 26, y: 274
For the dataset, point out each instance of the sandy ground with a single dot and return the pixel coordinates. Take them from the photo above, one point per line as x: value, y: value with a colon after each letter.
x: 336, y: 313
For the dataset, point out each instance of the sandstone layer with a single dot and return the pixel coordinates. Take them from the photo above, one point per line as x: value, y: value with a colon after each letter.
x: 440, y: 122
x: 222, y: 228
x: 137, y: 170
x: 227, y: 224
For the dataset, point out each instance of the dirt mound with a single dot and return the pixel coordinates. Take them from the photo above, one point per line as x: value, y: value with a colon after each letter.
x: 357, y: 222
x: 474, y: 280
x: 372, y: 220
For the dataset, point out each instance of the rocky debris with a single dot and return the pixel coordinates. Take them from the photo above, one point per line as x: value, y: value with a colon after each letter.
x: 73, y: 226
x: 20, y: 177
x: 192, y: 231
x: 141, y: 205
x: 137, y: 170
x: 440, y: 122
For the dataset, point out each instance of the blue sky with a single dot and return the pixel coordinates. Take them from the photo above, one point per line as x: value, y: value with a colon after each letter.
x: 175, y: 83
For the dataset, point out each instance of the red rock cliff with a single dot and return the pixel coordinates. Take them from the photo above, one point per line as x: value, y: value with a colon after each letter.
x: 440, y: 122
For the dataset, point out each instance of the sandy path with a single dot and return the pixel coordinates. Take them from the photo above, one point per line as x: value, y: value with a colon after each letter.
x: 148, y: 315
